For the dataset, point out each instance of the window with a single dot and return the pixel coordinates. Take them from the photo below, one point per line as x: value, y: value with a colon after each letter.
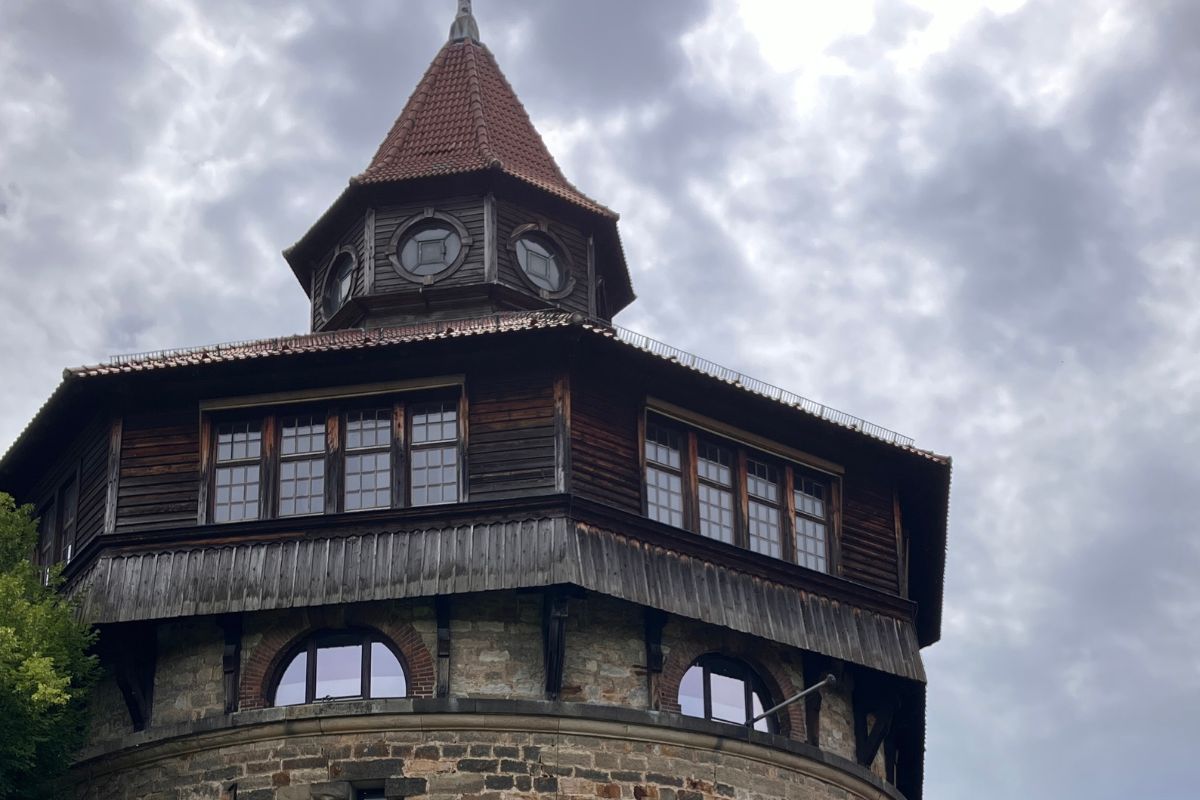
x: 327, y: 460
x: 340, y: 283
x: 540, y: 261
x: 726, y: 690
x: 350, y: 665
x: 430, y: 249
x: 737, y: 495
x: 370, y: 794
x: 57, y: 526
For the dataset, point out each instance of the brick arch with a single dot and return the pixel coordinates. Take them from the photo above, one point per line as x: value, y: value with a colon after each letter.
x: 685, y: 651
x: 278, y: 642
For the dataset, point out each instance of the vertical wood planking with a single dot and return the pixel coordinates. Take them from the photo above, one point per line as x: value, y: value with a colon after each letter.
x: 369, y: 252
x: 114, y: 474
x: 490, y: 269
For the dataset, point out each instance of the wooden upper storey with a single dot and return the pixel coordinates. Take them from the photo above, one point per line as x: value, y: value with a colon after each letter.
x: 461, y: 425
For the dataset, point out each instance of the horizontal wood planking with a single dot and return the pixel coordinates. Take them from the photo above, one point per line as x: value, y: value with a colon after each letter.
x: 159, y: 480
x: 868, y: 543
x: 604, y: 444
x: 468, y: 211
x: 509, y: 217
x: 489, y: 557
x: 510, y: 439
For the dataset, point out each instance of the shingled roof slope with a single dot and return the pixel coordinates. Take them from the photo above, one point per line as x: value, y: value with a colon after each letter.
x: 465, y: 117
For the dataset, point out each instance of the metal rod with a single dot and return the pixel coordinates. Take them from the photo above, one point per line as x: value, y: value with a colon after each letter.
x: 828, y: 680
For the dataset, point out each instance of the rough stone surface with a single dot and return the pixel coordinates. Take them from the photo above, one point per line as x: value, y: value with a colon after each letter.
x: 188, y: 678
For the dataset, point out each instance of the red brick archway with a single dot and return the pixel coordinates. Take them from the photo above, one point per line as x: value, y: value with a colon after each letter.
x: 686, y: 650
x: 265, y: 660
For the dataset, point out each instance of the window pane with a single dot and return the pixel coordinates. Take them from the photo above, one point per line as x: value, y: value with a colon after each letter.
x: 716, y: 513
x: 664, y: 496
x: 691, y: 692
x: 435, y: 422
x: 662, y: 446
x: 290, y: 691
x: 371, y: 428
x: 762, y: 481
x: 434, y: 476
x: 300, y: 435
x: 237, y: 493
x: 368, y: 481
x: 810, y: 544
x: 387, y: 676
x: 238, y: 441
x: 715, y: 464
x: 810, y: 497
x: 764, y: 529
x: 758, y: 708
x: 728, y: 698
x: 339, y: 672
x: 302, y: 487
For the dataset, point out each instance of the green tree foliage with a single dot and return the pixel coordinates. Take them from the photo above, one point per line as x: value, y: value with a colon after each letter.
x: 45, y: 669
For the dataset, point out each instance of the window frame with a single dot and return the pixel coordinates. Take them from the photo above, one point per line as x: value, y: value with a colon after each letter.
x: 56, y: 541
x: 362, y: 637
x: 730, y: 667
x: 335, y: 410
x: 789, y: 471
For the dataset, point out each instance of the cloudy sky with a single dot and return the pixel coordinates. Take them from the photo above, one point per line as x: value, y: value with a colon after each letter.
x: 974, y: 222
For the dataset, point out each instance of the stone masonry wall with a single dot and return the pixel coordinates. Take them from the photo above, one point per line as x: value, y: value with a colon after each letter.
x: 480, y: 765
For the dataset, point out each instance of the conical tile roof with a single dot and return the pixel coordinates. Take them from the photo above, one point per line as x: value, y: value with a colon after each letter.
x: 465, y: 117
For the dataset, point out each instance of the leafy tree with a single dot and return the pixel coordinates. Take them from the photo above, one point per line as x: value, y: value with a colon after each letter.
x: 45, y: 669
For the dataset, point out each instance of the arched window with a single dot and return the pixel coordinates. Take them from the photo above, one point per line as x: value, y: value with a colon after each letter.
x: 723, y: 689
x: 342, y: 665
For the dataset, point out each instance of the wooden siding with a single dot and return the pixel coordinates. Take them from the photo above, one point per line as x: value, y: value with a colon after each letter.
x: 604, y: 441
x: 868, y: 543
x: 159, y: 479
x: 489, y: 557
x: 468, y: 211
x: 509, y: 217
x: 511, y: 436
x: 93, y: 483
x: 352, y: 238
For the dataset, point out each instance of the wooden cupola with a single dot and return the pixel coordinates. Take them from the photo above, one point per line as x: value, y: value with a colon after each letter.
x: 463, y: 211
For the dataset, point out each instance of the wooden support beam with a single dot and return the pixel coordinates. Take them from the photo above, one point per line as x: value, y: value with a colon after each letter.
x: 231, y: 659
x: 655, y: 621
x: 554, y: 615
x: 867, y: 741
x: 133, y: 650
x: 442, y: 607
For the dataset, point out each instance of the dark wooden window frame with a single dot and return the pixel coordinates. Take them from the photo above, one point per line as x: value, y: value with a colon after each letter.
x: 543, y: 229
x: 428, y: 217
x: 364, y: 637
x: 740, y: 670
x: 327, y: 312
x: 56, y: 542
x: 270, y: 417
x: 788, y: 469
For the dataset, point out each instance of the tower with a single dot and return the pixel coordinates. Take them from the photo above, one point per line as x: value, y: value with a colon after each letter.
x: 468, y: 538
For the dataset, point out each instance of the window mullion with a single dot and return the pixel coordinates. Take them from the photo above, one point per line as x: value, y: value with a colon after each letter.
x: 741, y: 502
x: 365, y: 679
x: 691, y: 495
x: 334, y: 455
x: 268, y: 482
x: 310, y: 673
x: 788, y: 530
x: 401, y: 460
x: 707, y: 692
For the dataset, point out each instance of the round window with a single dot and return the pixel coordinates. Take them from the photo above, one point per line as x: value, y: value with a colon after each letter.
x: 541, y: 262
x: 430, y: 248
x: 339, y: 284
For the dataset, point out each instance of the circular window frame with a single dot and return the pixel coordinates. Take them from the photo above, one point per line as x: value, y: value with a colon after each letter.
x: 329, y: 275
x: 542, y: 229
x: 395, y: 243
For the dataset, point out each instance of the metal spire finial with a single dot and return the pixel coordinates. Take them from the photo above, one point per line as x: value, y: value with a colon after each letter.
x: 464, y: 26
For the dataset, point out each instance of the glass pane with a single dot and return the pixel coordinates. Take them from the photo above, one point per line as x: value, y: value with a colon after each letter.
x: 371, y: 428
x: 339, y: 672
x: 290, y: 691
x: 691, y: 692
x: 715, y: 464
x: 662, y: 446
x: 302, y: 487
x: 758, y: 708
x: 810, y: 544
x: 368, y: 481
x: 237, y: 493
x: 431, y: 249
x: 301, y: 435
x: 387, y: 676
x: 728, y: 698
x: 762, y: 480
x: 764, y: 530
x: 716, y: 513
x: 540, y: 262
x: 238, y: 441
x: 340, y: 283
x: 664, y: 496
x: 435, y: 422
x: 434, y: 476
x: 810, y: 497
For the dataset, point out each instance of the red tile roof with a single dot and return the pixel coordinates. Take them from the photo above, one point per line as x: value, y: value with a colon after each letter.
x: 465, y: 117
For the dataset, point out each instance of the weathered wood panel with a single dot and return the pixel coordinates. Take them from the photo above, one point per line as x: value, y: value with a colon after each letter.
x: 93, y: 483
x: 604, y: 441
x: 159, y: 479
x: 468, y: 211
x: 868, y: 543
x: 511, y: 435
x: 509, y: 217
x: 354, y: 238
x: 490, y: 557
